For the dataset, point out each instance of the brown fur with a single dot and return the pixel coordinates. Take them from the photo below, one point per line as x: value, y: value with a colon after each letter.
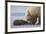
x: 34, y: 12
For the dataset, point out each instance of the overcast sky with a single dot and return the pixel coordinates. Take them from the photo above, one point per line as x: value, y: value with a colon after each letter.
x: 18, y: 9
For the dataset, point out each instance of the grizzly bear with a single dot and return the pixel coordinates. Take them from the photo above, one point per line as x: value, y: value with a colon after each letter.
x: 33, y: 14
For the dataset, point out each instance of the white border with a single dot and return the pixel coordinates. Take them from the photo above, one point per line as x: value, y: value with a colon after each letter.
x: 24, y: 29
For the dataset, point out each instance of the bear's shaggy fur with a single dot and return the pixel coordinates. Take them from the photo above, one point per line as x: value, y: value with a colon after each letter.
x: 34, y: 13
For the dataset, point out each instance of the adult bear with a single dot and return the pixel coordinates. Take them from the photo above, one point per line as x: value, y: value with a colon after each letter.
x: 33, y: 14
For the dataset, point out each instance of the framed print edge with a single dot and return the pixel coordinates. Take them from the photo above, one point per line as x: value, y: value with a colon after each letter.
x: 6, y: 17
